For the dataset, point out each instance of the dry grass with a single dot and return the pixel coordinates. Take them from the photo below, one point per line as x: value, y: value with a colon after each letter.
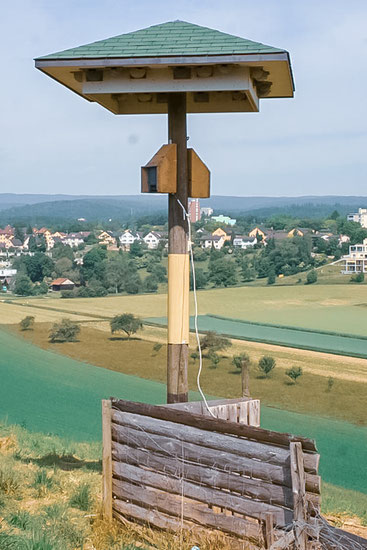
x: 137, y: 357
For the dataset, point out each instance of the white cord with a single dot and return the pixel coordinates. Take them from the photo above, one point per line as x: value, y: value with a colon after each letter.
x: 186, y: 215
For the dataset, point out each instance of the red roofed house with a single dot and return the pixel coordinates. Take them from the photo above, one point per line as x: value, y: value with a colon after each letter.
x: 62, y: 284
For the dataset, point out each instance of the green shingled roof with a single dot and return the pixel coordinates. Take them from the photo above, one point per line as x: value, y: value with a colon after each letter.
x: 175, y: 38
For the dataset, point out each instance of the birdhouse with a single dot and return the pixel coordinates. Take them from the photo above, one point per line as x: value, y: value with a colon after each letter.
x: 198, y: 176
x: 160, y: 174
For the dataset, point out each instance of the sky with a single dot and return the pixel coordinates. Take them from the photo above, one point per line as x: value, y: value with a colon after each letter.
x: 53, y: 141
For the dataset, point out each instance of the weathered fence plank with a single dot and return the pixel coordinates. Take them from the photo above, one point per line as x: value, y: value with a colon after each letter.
x: 175, y: 505
x: 251, y: 449
x: 212, y: 424
x: 254, y: 488
x: 210, y: 457
x: 208, y: 495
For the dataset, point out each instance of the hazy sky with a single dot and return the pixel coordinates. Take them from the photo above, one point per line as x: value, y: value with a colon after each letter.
x: 53, y: 141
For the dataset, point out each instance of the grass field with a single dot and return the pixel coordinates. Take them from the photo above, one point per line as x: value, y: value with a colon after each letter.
x: 50, y: 498
x: 336, y: 308
x: 53, y: 393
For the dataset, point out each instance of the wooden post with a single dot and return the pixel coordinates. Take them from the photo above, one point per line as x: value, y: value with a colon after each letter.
x: 299, y: 495
x: 245, y: 378
x: 269, y: 530
x: 178, y: 258
x: 106, y: 460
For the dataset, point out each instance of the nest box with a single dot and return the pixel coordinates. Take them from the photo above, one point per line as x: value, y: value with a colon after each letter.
x: 160, y: 174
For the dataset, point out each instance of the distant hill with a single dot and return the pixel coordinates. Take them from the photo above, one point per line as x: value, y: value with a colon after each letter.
x: 30, y: 208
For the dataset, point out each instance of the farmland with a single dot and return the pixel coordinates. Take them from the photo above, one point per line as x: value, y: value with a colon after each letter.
x: 336, y: 308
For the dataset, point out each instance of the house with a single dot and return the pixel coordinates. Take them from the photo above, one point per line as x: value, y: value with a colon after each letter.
x: 243, y: 241
x: 258, y: 230
x: 359, y: 217
x: 73, y: 240
x: 128, y: 238
x: 356, y: 260
x: 105, y: 237
x: 152, y: 239
x: 298, y: 232
x: 219, y: 232
x: 206, y: 211
x: 224, y: 219
x: 212, y: 241
x: 62, y: 284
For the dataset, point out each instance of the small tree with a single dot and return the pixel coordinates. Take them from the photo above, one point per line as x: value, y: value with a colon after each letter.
x: 271, y: 277
x: 214, y: 358
x: 127, y: 323
x: 266, y: 364
x: 194, y: 355
x: 157, y: 347
x: 239, y: 360
x: 357, y: 277
x: 330, y: 383
x: 311, y: 277
x: 65, y: 331
x: 213, y: 342
x: 27, y: 323
x: 23, y: 285
x: 294, y: 373
x: 150, y: 284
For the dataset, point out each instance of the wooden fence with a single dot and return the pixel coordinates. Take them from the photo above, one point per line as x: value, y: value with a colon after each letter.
x: 178, y: 470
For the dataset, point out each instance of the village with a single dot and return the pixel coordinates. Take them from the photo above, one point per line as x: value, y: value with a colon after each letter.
x: 214, y: 237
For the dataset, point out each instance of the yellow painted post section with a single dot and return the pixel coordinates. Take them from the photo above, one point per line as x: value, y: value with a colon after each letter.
x: 178, y: 298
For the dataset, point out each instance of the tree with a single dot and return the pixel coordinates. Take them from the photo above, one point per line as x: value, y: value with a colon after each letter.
x: 40, y: 288
x: 127, y: 322
x: 23, y: 285
x: 214, y: 358
x: 133, y: 283
x: 27, y: 323
x: 62, y: 251
x: 222, y: 272
x: 271, y: 276
x: 150, y: 283
x: 201, y: 279
x: 65, y: 331
x: 213, y: 342
x: 63, y: 266
x: 239, y: 360
x: 94, y: 264
x: 136, y: 250
x: 311, y: 277
x: 266, y: 364
x: 160, y: 272
x: 294, y: 373
x: 357, y: 277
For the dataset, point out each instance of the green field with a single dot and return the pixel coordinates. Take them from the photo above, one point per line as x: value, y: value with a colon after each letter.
x: 335, y: 308
x: 322, y: 341
x: 52, y: 393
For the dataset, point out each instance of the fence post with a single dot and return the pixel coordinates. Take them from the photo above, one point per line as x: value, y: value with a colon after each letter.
x: 106, y: 460
x: 299, y: 495
x: 245, y: 379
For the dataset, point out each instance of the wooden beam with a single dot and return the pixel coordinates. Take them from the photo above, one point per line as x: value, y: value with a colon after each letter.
x: 213, y: 424
x: 106, y: 460
x: 299, y: 496
x: 178, y: 264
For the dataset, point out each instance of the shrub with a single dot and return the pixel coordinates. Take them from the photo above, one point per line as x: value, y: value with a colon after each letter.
x: 266, y: 364
x: 127, y: 322
x: 42, y: 482
x: 27, y: 323
x: 330, y: 383
x: 214, y: 358
x: 213, y: 342
x: 238, y: 360
x: 194, y: 355
x: 294, y: 373
x: 81, y: 498
x: 150, y: 284
x: 65, y: 331
x: 357, y: 277
x: 20, y: 519
x: 68, y: 294
x: 271, y: 277
x: 157, y: 347
x: 311, y: 277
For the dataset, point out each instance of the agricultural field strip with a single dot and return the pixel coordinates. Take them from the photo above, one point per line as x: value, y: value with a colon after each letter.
x: 279, y: 336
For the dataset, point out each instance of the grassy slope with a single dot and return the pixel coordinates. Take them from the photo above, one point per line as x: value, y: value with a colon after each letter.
x: 337, y: 308
x: 50, y: 498
x: 345, y: 401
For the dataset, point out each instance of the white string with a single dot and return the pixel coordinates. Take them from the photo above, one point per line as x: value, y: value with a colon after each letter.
x: 186, y: 215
